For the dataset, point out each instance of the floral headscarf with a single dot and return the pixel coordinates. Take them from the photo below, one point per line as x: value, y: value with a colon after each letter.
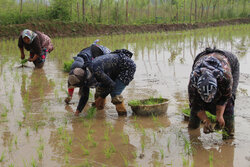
x: 30, y: 34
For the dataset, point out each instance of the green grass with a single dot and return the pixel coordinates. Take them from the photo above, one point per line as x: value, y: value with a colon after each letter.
x: 67, y: 65
x: 210, y: 116
x: 150, y: 101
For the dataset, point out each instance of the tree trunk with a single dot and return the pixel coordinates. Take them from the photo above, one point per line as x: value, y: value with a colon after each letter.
x: 208, y: 6
x: 83, y: 10
x: 100, y: 11
x: 195, y: 10
x: 184, y: 13
x: 155, y: 10
x: 78, y: 11
x: 202, y: 10
x: 214, y: 6
x: 148, y: 9
x: 37, y: 3
x: 92, y: 13
x: 177, y: 13
x: 126, y: 11
x: 218, y: 1
x: 190, y: 18
x: 21, y: 7
x: 117, y: 10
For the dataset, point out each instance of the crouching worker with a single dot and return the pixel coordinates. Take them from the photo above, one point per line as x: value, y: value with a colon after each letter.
x: 111, y: 72
x: 37, y: 43
x: 84, y: 58
x: 212, y: 87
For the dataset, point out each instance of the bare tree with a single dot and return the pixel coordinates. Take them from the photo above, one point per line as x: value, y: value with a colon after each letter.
x: 78, y: 11
x: 21, y: 7
x: 83, y: 10
x: 191, y: 5
x: 100, y: 11
x: 156, y: 10
x: 195, y: 10
x: 127, y: 11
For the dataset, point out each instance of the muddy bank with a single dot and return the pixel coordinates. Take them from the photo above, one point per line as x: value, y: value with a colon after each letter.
x: 61, y: 29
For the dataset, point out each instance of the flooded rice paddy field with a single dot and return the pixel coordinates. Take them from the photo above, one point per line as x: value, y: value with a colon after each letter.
x: 38, y: 129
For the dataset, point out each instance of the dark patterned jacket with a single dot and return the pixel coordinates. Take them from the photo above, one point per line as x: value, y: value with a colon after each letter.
x: 227, y: 82
x: 106, y: 69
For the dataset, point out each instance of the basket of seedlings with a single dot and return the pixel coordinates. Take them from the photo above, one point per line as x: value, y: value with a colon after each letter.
x: 148, y: 107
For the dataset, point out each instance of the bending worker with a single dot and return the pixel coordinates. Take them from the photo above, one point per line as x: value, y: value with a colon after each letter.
x: 37, y: 43
x: 84, y: 58
x: 212, y: 87
x: 111, y: 73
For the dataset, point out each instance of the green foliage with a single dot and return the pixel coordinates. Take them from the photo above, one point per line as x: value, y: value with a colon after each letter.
x: 150, y: 101
x: 24, y: 61
x: 60, y: 9
x: 67, y: 65
x: 114, y: 12
x: 210, y: 116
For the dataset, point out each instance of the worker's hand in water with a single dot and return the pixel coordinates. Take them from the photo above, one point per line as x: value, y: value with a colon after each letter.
x: 207, y: 127
x: 22, y: 56
x: 77, y: 113
x: 220, y: 120
x: 99, y: 103
x: 68, y: 99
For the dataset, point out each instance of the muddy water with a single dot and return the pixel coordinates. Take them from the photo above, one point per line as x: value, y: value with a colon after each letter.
x: 37, y: 128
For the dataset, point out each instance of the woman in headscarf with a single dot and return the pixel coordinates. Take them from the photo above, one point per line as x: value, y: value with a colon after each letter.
x: 84, y: 58
x: 212, y: 87
x: 37, y: 43
x: 111, y: 73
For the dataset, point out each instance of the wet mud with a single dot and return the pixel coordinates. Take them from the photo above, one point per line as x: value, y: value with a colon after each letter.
x: 38, y: 129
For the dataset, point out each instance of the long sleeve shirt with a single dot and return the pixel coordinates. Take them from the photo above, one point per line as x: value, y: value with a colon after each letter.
x: 227, y: 83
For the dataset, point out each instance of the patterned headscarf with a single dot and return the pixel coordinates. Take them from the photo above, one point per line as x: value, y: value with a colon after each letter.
x: 207, y: 86
x: 76, y: 76
x: 204, y: 77
x: 30, y: 34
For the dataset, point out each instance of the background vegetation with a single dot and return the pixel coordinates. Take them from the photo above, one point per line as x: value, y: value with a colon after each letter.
x: 122, y: 11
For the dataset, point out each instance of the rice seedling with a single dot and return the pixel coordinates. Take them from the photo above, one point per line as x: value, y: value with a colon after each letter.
x: 210, y: 116
x: 85, y: 151
x: 134, y: 153
x: 86, y: 163
x: 150, y: 101
x: 211, y: 159
x: 27, y: 132
x: 106, y: 134
x: 20, y: 124
x: 125, y: 160
x: 124, y: 138
x: 91, y: 112
x: 2, y: 157
x: 142, y: 145
x: 168, y: 144
x: 162, y: 153
x: 33, y: 163
x: 108, y: 150
x: 11, y: 165
x: 15, y: 140
x: 52, y: 119
x: 66, y: 159
x: 67, y: 148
